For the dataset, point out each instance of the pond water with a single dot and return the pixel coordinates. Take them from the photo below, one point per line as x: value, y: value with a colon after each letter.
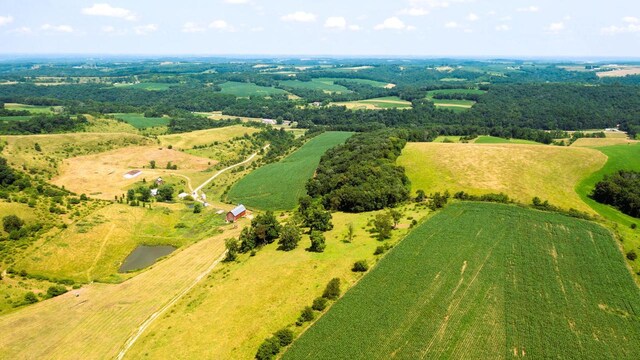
x: 143, y: 256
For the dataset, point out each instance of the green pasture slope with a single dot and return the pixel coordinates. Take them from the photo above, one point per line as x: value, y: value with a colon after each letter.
x: 140, y: 122
x: 487, y: 281
x: 499, y: 140
x: 241, y: 89
x: 278, y: 186
x: 319, y: 84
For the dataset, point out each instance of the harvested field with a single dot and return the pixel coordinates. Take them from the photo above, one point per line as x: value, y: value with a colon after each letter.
x: 623, y: 71
x: 188, y: 140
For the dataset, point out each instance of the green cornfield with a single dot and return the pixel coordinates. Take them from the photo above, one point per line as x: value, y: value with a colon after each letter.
x: 487, y: 281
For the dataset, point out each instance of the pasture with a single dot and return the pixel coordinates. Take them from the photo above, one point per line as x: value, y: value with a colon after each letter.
x: 148, y: 86
x: 319, y: 84
x: 388, y: 102
x: 34, y: 109
x: 487, y: 281
x: 102, y: 175
x: 242, y: 303
x: 205, y: 137
x: 139, y: 121
x: 241, y: 89
x: 499, y: 140
x: 520, y: 171
x: 278, y: 186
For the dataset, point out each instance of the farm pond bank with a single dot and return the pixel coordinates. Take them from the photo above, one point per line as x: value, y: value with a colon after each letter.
x: 143, y: 256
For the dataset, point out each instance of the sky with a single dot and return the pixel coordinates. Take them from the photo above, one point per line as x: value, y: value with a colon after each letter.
x: 460, y: 28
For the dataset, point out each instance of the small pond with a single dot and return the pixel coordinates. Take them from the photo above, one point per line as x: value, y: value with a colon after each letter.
x: 143, y: 256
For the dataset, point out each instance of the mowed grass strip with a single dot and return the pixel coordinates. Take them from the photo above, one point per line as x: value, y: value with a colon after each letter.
x: 499, y: 140
x: 278, y: 186
x: 188, y: 140
x: 487, y: 281
x: 520, y: 171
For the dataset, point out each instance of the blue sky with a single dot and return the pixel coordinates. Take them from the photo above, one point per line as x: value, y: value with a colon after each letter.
x: 527, y: 28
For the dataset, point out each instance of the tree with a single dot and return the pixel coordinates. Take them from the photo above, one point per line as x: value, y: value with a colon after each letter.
x: 145, y: 193
x: 332, y: 290
x: 197, y: 208
x: 314, y: 215
x: 247, y: 240
x: 396, y: 216
x: 12, y: 223
x: 382, y: 224
x: 37, y: 147
x: 351, y: 231
x: 360, y: 266
x: 317, y: 242
x: 131, y: 195
x: 319, y: 304
x: 268, y: 349
x: 420, y: 196
x: 265, y: 228
x: 289, y: 237
x: 233, y: 247
x: 30, y: 298
x: 284, y: 336
x: 165, y: 193
x: 56, y: 290
x: 631, y: 255
x: 306, y: 315
x: 152, y: 164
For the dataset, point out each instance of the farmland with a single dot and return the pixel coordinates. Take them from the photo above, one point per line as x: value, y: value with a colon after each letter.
x: 188, y: 140
x: 278, y: 186
x: 248, y: 89
x: 321, y: 84
x: 487, y: 281
x: 499, y: 140
x: 139, y: 121
x: 520, y: 171
x: 34, y: 109
x: 389, y: 102
x: 147, y: 86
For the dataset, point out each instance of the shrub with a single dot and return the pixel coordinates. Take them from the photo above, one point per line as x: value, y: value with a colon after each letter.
x: 268, y: 349
x: 317, y: 242
x: 289, y: 237
x: 30, y: 298
x: 631, y: 255
x: 306, y: 315
x: 57, y: 290
x: 319, y: 304
x: 634, y: 226
x: 379, y: 250
x: 332, y: 291
x: 197, y: 208
x: 11, y: 223
x: 360, y: 266
x: 284, y: 336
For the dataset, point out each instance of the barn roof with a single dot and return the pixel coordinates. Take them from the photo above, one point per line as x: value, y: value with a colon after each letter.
x: 238, y: 210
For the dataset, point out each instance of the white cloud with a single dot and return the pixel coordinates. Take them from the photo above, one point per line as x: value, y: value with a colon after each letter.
x: 221, y: 25
x: 191, y: 27
x: 393, y: 23
x: 336, y: 22
x: 57, y: 28
x: 355, y: 27
x: 632, y: 25
x: 257, y: 29
x: 452, y: 25
x: 236, y: 1
x: 473, y: 17
x: 555, y: 27
x: 108, y: 29
x: 6, y: 20
x: 503, y: 27
x: 145, y: 29
x: 110, y: 11
x: 439, y: 3
x: 414, y: 11
x: 299, y: 16
x: 21, y: 30
x: 531, y: 9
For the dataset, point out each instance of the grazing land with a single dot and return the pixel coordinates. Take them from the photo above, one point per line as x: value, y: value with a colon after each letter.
x: 240, y: 89
x: 188, y: 140
x: 34, y: 109
x: 321, y: 84
x: 487, y: 281
x: 278, y: 186
x: 242, y: 303
x: 499, y: 140
x: 139, y: 121
x: 148, y: 86
x: 388, y: 102
x: 520, y: 171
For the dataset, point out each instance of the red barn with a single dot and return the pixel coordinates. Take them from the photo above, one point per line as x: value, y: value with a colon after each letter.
x: 235, y: 214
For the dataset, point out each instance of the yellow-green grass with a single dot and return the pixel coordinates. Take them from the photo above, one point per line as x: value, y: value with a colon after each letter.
x: 388, y: 102
x: 599, y: 142
x: 241, y: 89
x: 147, y: 86
x: 15, y: 118
x: 102, y: 175
x: 94, y: 247
x: 21, y: 210
x: 13, y: 289
x: 520, y: 171
x: 487, y: 281
x: 139, y: 121
x: 205, y: 137
x: 20, y: 150
x: 101, y: 125
x: 441, y: 139
x: 278, y: 186
x: 455, y: 91
x: 35, y: 109
x: 499, y: 140
x: 95, y: 321
x: 455, y: 105
x: 241, y: 304
x: 320, y: 84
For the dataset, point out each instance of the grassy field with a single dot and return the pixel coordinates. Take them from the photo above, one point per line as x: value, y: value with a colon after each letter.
x: 240, y: 89
x: 205, y: 137
x: 278, y: 186
x: 487, y: 281
x: 141, y: 122
x: 34, y: 109
x: 15, y: 118
x: 388, y: 102
x: 94, y: 247
x: 456, y: 91
x: 499, y: 140
x: 148, y: 86
x: 235, y: 309
x: 320, y: 84
x: 373, y: 83
x: 441, y: 139
x: 521, y: 171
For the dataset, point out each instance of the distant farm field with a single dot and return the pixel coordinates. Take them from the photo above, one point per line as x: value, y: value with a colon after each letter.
x: 148, y: 86
x: 241, y: 89
x: 35, y: 109
x: 320, y: 84
x: 521, y: 171
x: 140, y: 121
x: 188, y: 140
x: 15, y: 118
x: 278, y: 186
x: 487, y: 281
x: 388, y: 102
x: 499, y: 140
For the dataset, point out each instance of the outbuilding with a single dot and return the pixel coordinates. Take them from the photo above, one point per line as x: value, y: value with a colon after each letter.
x: 132, y: 174
x: 237, y: 212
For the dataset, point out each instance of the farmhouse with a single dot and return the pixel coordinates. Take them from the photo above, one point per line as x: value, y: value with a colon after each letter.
x: 132, y: 174
x: 235, y: 214
x: 269, y: 121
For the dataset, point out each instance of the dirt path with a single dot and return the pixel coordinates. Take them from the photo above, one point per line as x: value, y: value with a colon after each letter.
x: 99, y: 254
x: 141, y: 329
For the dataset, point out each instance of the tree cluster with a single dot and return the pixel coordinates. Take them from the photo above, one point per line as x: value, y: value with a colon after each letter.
x: 621, y: 190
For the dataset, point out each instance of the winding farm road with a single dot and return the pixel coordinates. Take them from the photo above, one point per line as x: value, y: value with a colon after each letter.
x: 141, y: 329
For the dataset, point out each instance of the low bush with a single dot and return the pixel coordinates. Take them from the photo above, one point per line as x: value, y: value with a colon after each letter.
x: 332, y: 291
x: 319, y: 304
x: 360, y: 266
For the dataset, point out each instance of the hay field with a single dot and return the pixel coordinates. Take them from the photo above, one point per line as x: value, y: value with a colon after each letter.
x: 139, y: 121
x: 620, y: 72
x: 96, y: 323
x: 34, y: 109
x: 521, y: 171
x: 487, y: 281
x: 102, y: 175
x: 235, y: 309
x: 240, y: 89
x: 389, y: 102
x: 320, y: 84
x: 598, y: 142
x: 499, y: 140
x: 188, y: 140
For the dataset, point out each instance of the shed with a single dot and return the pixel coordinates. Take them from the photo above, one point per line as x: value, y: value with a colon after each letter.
x: 131, y: 174
x: 237, y: 212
